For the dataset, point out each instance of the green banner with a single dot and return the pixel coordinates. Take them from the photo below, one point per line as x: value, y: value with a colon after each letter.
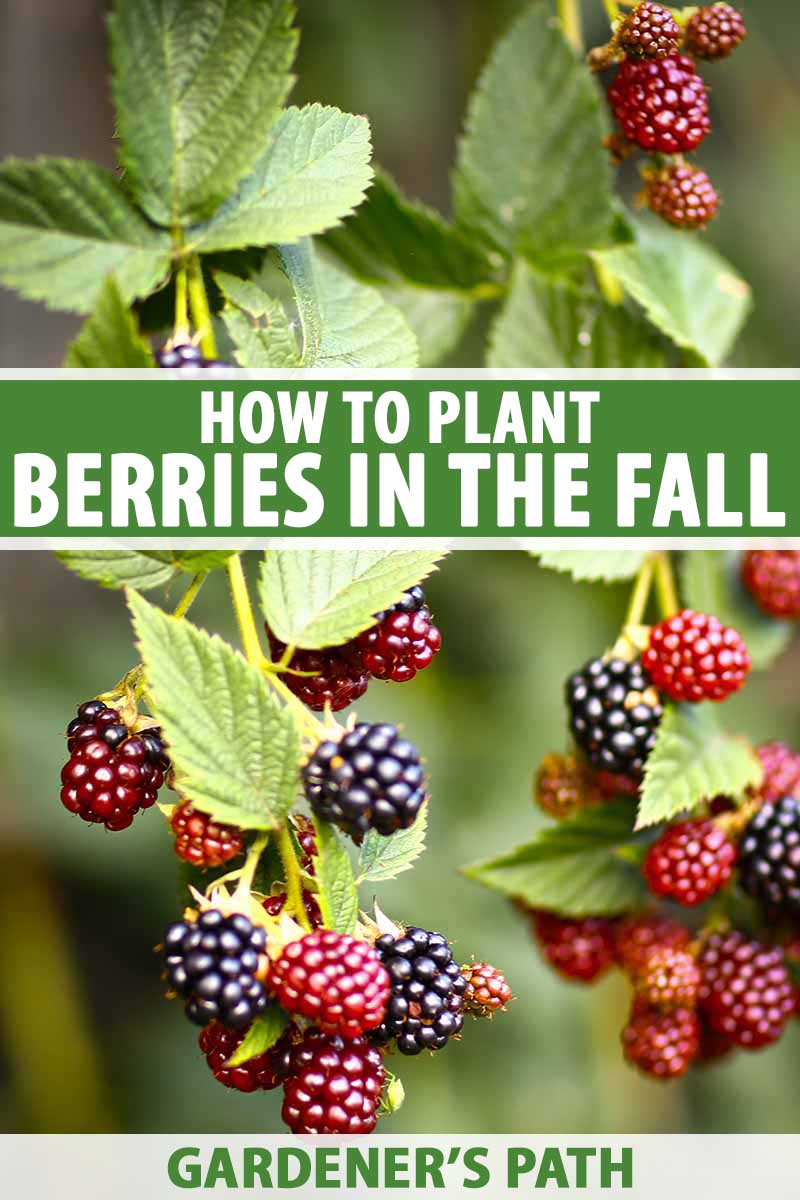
x: 125, y: 459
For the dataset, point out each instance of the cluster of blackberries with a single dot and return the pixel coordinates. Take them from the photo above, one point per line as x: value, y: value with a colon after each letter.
x: 402, y: 641
x: 344, y: 1003
x: 112, y: 772
x: 660, y: 102
x: 615, y: 705
x: 695, y: 998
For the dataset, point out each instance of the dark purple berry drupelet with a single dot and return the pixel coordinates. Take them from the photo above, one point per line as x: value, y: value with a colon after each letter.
x: 372, y: 778
x: 428, y: 990
x: 215, y: 963
x: 112, y: 773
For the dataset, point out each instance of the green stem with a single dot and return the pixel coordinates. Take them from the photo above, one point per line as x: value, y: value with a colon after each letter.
x: 610, y: 287
x: 248, y: 871
x: 641, y: 592
x: 665, y: 584
x: 244, y: 612
x: 187, y: 599
x: 612, y: 9
x: 181, y: 332
x: 201, y: 313
x: 569, y: 15
x: 293, y: 878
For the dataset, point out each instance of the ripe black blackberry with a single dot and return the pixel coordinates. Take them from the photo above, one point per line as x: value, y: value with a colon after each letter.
x: 371, y: 779
x: 614, y: 713
x: 425, y: 1008
x: 214, y: 962
x: 186, y: 357
x: 112, y: 773
x: 769, y: 856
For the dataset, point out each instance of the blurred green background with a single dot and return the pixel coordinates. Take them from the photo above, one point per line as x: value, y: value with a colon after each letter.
x: 88, y: 1043
x: 409, y: 66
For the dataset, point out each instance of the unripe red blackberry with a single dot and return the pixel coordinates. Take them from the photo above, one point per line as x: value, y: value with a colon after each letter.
x: 263, y: 1073
x: 781, y: 771
x: 614, y: 714
x: 772, y: 577
x: 662, y: 1045
x: 564, y: 786
x: 186, y: 357
x: 332, y: 1085
x: 580, y: 948
x: 404, y: 639
x: 371, y: 778
x: 215, y: 963
x: 745, y: 990
x: 671, y: 979
x: 694, y: 657
x: 112, y: 773
x: 661, y: 105
x: 638, y: 936
x: 488, y: 990
x: 715, y: 31
x: 689, y: 862
x: 428, y: 989
x: 649, y: 31
x: 334, y: 980
x: 336, y: 676
x: 681, y: 194
x: 202, y: 841
x: 769, y: 857
x: 275, y: 904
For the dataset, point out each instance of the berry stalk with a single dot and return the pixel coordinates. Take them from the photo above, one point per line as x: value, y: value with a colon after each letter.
x: 569, y: 15
x: 666, y: 588
x: 295, y: 903
x: 201, y: 313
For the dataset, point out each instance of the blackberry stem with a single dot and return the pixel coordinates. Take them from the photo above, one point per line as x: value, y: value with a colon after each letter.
x: 294, y: 881
x: 569, y: 16
x: 188, y: 597
x: 637, y: 606
x: 181, y: 331
x: 201, y: 313
x: 665, y: 584
x: 612, y: 9
x: 248, y: 872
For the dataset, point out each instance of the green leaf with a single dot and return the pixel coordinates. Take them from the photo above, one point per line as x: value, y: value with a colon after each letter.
x: 110, y: 336
x: 235, y: 749
x: 198, y: 84
x: 437, y: 318
x: 392, y: 239
x: 257, y: 325
x: 549, y: 324
x: 316, y: 598
x: 693, y: 760
x: 344, y: 323
x: 607, y: 566
x: 382, y: 858
x: 315, y: 172
x: 117, y: 568
x: 578, y: 868
x: 260, y: 1037
x: 687, y: 290
x: 65, y: 226
x: 711, y: 583
x: 533, y: 177
x: 193, y: 561
x: 337, y: 895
